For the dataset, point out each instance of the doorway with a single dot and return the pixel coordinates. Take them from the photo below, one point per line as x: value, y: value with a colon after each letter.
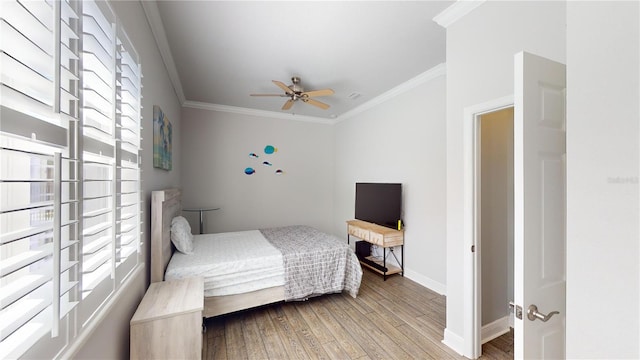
x: 495, y: 223
x: 539, y: 210
x: 473, y: 319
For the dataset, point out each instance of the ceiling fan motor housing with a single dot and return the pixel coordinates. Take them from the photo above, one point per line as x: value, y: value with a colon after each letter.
x: 296, y: 87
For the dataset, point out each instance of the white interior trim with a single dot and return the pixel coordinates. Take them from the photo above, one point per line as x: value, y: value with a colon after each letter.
x: 456, y: 12
x: 431, y: 74
x: 471, y: 338
x: 454, y: 341
x: 70, y: 351
x: 255, y: 112
x: 425, y: 77
x: 495, y: 329
x: 426, y: 282
x: 157, y: 28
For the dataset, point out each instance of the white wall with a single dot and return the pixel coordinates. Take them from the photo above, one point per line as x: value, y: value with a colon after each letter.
x: 216, y: 148
x: 603, y: 116
x: 110, y: 340
x: 401, y: 140
x: 480, y: 50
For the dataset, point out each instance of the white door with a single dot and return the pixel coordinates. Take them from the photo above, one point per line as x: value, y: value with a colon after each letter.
x: 539, y: 201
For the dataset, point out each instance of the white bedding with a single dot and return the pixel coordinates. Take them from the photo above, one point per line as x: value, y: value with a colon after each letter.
x: 230, y: 263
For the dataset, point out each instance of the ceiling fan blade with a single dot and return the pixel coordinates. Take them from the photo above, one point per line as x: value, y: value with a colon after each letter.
x: 282, y: 86
x: 279, y: 95
x: 314, y: 93
x: 287, y: 105
x: 316, y: 103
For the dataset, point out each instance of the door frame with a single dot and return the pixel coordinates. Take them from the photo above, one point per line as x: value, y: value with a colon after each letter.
x: 471, y: 225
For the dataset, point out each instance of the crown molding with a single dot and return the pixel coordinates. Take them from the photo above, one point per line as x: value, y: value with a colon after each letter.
x: 254, y: 112
x: 157, y: 28
x: 456, y: 11
x: 433, y: 73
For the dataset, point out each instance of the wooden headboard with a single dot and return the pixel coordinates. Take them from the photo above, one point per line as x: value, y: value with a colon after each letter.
x: 165, y: 205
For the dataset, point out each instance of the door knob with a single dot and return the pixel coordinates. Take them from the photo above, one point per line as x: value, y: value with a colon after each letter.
x: 533, y: 314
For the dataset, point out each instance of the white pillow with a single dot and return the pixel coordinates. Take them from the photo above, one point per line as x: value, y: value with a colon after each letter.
x: 181, y: 235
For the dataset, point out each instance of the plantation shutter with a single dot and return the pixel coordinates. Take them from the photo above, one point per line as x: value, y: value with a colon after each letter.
x: 98, y: 156
x: 128, y: 133
x: 38, y: 173
x: 69, y: 170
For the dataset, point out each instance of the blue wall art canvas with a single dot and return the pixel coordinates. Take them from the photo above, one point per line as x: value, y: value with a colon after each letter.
x: 162, y: 133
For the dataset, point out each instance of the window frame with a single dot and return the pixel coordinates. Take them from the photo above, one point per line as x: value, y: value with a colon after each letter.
x: 54, y: 130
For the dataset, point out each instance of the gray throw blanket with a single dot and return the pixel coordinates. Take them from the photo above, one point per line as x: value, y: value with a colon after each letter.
x: 315, y: 263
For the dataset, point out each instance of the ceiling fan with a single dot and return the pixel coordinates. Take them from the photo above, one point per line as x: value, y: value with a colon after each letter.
x: 296, y: 92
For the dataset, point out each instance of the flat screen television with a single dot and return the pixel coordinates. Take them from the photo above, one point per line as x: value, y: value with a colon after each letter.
x: 379, y: 203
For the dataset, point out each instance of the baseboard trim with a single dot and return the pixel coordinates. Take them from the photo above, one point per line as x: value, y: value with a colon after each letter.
x: 494, y: 329
x: 455, y: 342
x: 426, y: 282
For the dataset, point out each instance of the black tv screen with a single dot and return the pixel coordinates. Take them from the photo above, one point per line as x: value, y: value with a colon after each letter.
x: 379, y: 203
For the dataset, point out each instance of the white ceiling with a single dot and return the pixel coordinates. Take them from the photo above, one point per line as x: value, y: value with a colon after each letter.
x: 218, y: 52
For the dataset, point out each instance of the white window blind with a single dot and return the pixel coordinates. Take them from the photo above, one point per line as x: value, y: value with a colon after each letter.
x: 98, y: 155
x: 69, y: 170
x: 128, y: 133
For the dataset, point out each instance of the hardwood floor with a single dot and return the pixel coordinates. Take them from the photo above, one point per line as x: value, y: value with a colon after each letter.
x: 396, y: 319
x: 499, y: 348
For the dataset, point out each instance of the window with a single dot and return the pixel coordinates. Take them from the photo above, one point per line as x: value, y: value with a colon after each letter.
x: 69, y: 170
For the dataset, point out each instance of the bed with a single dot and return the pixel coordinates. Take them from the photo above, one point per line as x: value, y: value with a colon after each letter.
x: 246, y: 269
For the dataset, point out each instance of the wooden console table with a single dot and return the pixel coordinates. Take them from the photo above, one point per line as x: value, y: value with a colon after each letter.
x: 382, y: 236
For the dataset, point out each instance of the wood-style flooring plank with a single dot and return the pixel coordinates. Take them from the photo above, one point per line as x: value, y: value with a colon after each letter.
x: 358, y: 333
x: 292, y: 344
x: 415, y: 329
x: 251, y: 333
x: 376, y: 332
x: 359, y: 304
x: 335, y: 351
x: 499, y: 348
x: 236, y: 348
x: 217, y: 348
x: 315, y: 324
x: 312, y: 345
x: 373, y: 299
x: 270, y: 336
x: 397, y: 297
x: 393, y: 319
x: 401, y: 341
x: 343, y: 337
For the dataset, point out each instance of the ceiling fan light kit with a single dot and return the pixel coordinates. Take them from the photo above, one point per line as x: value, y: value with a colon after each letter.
x: 295, y: 92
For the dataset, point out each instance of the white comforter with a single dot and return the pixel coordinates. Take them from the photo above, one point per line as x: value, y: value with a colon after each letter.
x: 230, y: 263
